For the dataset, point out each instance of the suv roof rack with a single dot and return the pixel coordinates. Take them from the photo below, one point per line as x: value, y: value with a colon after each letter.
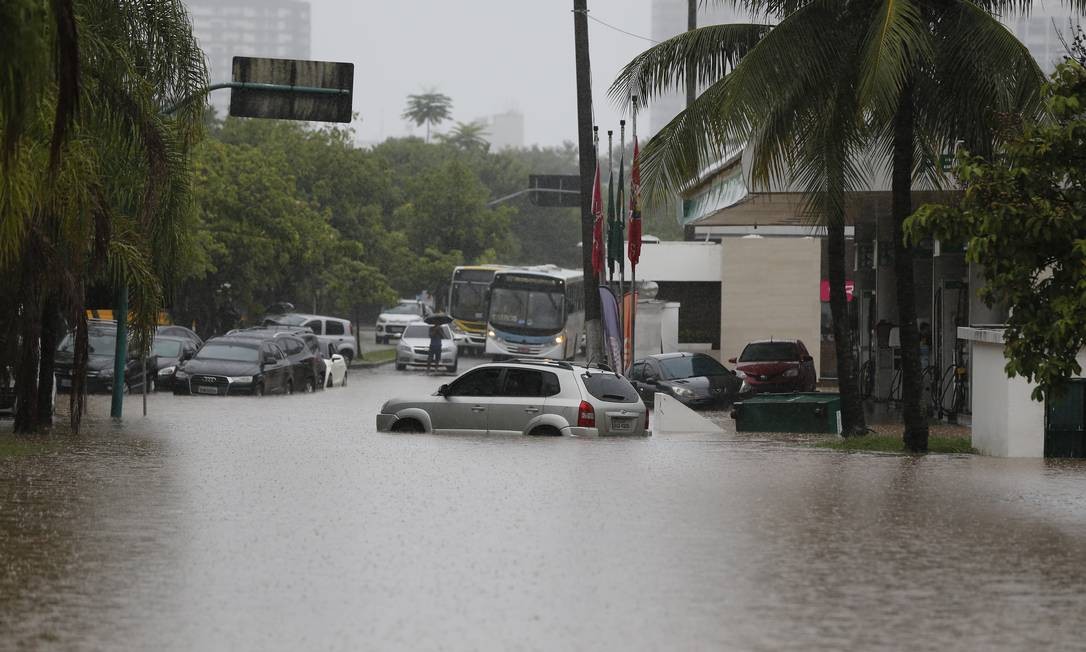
x: 543, y: 362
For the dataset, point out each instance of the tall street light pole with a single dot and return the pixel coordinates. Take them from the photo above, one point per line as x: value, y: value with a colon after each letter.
x: 587, y: 153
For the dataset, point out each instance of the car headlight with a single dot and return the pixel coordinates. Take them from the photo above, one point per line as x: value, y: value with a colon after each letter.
x: 105, y: 373
x: 166, y: 371
x: 558, y: 339
x: 491, y: 334
x: 180, y: 375
x: 243, y: 380
x: 403, y: 346
x: 446, y: 348
x: 683, y: 391
x: 740, y: 374
x: 791, y: 373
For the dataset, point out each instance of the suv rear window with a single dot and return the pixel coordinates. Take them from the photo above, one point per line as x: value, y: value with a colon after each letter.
x: 609, y: 387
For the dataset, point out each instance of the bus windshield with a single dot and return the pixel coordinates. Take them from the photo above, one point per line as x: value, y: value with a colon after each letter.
x: 531, y: 309
x: 468, y: 301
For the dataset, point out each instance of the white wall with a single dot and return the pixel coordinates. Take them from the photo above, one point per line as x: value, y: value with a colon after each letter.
x: 679, y: 261
x: 770, y: 289
x: 1006, y: 421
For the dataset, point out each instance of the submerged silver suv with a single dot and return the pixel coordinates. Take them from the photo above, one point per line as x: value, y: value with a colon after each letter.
x: 524, y: 397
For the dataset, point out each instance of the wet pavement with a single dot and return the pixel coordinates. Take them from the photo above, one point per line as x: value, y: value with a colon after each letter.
x: 288, y: 523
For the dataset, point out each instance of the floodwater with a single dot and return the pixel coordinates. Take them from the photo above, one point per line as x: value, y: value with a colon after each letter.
x: 288, y: 523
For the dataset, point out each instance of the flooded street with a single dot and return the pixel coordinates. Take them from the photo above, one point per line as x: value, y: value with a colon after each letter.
x: 288, y: 523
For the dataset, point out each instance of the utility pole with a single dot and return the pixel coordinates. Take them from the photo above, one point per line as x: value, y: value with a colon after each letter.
x: 691, y: 25
x: 593, y: 328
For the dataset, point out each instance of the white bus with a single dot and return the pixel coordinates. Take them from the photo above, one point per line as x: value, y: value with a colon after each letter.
x: 535, y: 312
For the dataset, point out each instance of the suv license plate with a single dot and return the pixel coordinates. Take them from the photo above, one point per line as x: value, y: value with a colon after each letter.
x: 207, y: 390
x: 622, y: 424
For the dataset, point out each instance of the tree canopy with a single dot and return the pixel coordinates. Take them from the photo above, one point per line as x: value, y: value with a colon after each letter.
x: 1022, y: 219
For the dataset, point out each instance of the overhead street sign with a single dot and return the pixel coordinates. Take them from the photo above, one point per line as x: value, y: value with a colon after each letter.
x: 560, y: 190
x: 292, y: 89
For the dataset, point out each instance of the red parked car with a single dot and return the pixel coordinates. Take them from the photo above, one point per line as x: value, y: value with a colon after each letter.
x: 775, y: 366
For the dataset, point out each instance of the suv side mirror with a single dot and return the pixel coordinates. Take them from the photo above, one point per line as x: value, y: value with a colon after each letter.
x: 444, y: 390
x: 651, y: 378
x: 807, y: 358
x: 268, y: 359
x: 732, y: 360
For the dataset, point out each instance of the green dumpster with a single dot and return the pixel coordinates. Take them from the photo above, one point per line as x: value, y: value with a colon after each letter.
x: 816, y: 412
x: 1065, y: 420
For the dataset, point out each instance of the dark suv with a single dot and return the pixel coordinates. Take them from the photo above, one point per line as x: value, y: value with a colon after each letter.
x: 776, y: 366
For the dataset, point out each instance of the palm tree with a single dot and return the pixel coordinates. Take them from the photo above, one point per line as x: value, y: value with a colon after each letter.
x: 468, y: 136
x: 816, y: 96
x: 429, y: 108
x: 105, y: 199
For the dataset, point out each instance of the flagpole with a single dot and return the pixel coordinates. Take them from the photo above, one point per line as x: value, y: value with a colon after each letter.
x: 611, y: 200
x: 633, y: 265
x: 622, y: 256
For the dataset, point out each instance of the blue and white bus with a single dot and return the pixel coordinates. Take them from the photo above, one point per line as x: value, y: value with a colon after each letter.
x: 535, y: 312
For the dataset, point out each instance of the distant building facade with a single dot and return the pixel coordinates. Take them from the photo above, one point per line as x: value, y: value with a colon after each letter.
x: 505, y: 130
x: 277, y: 29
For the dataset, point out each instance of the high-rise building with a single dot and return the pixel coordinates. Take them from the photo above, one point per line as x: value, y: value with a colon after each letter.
x: 251, y: 28
x: 1044, y: 31
x: 1040, y: 31
x: 505, y: 130
x: 669, y: 17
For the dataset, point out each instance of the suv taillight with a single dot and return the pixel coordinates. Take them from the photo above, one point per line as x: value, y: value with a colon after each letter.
x: 586, y: 415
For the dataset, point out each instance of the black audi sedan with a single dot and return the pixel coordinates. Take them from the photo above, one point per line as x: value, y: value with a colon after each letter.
x: 235, y: 365
x: 695, y: 379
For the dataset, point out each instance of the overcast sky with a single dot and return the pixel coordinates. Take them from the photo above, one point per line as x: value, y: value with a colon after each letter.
x: 487, y: 55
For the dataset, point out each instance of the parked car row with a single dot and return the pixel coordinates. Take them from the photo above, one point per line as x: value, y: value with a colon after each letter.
x: 270, y: 359
x: 261, y: 360
x: 699, y: 381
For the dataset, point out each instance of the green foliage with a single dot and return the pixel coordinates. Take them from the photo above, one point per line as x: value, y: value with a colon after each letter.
x: 290, y: 213
x: 894, y: 444
x: 1022, y: 219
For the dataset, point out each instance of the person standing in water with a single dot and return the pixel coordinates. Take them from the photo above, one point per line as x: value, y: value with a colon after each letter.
x: 433, y: 358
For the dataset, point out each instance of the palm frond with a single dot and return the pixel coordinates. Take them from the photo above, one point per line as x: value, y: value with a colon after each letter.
x: 897, y: 43
x: 708, y: 52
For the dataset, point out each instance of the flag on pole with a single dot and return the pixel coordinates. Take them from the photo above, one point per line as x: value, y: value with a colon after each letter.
x: 597, y: 225
x: 620, y: 218
x: 612, y: 216
x: 635, y: 208
x: 614, y: 231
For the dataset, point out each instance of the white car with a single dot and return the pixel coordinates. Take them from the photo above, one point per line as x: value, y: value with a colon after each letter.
x: 392, y: 321
x: 530, y: 397
x: 335, y: 371
x: 414, y: 347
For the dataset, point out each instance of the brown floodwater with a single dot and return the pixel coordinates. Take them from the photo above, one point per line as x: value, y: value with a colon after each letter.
x: 289, y: 524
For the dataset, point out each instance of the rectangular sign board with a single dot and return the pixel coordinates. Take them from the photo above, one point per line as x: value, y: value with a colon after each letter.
x: 294, y: 96
x: 568, y: 184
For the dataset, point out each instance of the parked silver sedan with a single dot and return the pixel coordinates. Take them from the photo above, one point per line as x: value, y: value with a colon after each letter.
x: 531, y: 397
x: 414, y: 347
